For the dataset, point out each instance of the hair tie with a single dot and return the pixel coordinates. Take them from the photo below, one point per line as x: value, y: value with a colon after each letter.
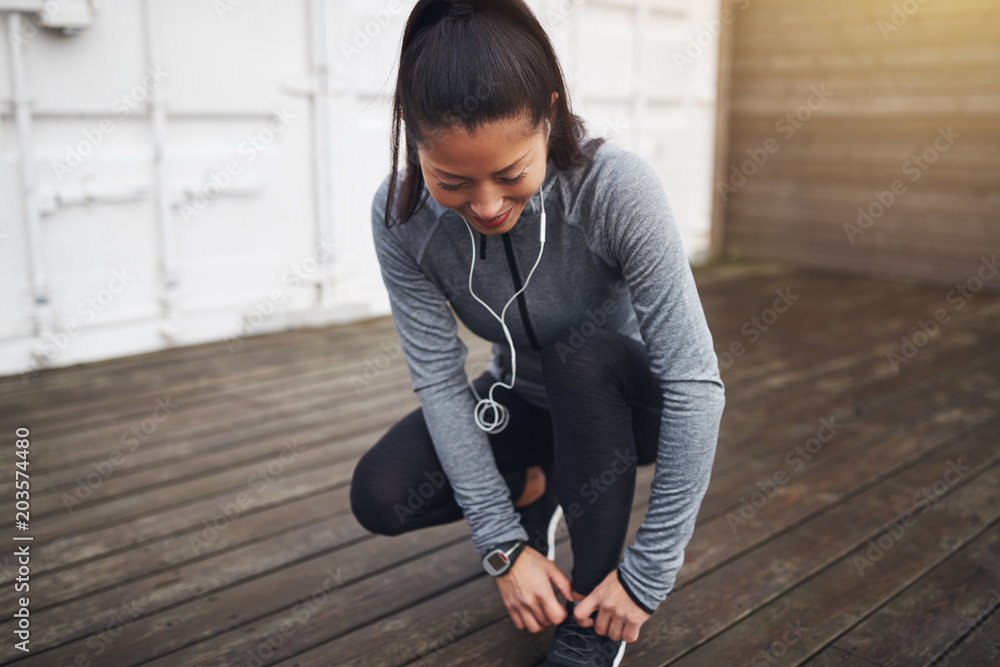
x: 460, y: 9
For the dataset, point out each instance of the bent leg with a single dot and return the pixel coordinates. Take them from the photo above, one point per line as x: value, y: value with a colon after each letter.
x: 398, y: 485
x: 606, y: 407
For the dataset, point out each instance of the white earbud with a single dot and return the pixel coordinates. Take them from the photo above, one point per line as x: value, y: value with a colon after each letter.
x: 500, y: 414
x: 541, y: 226
x: 541, y: 233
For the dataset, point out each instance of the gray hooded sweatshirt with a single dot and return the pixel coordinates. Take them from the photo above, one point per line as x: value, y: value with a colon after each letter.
x: 612, y: 258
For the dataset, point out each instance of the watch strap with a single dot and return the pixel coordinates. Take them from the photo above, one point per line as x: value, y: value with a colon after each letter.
x: 514, y: 554
x: 512, y: 549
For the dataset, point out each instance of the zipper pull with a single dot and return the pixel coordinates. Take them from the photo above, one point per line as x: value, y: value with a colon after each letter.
x: 482, y: 246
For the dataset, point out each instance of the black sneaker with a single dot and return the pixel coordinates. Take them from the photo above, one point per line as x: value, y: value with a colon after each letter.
x: 574, y: 646
x: 541, y: 518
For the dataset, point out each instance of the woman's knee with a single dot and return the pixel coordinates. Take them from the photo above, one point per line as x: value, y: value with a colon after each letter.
x: 386, y: 499
x: 371, y: 500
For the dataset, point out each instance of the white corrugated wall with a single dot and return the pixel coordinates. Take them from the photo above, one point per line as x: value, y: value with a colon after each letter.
x: 183, y: 171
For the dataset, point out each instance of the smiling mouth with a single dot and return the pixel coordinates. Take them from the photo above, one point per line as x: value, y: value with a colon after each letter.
x: 499, y: 220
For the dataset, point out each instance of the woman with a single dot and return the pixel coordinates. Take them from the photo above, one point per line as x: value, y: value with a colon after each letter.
x: 605, y: 363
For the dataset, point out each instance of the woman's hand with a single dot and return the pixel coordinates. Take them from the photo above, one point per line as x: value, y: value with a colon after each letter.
x: 527, y: 591
x: 617, y: 616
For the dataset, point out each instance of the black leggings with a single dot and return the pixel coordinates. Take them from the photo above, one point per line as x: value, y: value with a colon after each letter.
x: 605, y: 418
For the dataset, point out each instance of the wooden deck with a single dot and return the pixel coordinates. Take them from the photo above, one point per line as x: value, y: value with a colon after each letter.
x: 190, y: 507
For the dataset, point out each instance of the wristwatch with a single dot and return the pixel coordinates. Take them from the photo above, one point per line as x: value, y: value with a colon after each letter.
x: 500, y: 558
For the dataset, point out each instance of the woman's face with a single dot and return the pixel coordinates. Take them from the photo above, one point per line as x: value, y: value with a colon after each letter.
x: 489, y: 176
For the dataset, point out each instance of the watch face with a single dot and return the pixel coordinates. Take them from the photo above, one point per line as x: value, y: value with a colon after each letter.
x: 497, y: 560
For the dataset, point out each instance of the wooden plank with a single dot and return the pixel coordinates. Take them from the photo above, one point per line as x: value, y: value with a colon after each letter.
x: 930, y: 619
x: 925, y: 269
x: 883, y: 87
x: 939, y: 39
x: 834, y: 599
x: 864, y: 139
x: 791, y: 15
x: 89, y: 516
x: 891, y: 235
x: 128, y: 399
x: 62, y: 382
x: 832, y: 656
x: 292, y: 590
x: 982, y: 649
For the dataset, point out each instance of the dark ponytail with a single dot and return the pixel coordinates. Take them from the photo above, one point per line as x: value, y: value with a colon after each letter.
x: 466, y: 70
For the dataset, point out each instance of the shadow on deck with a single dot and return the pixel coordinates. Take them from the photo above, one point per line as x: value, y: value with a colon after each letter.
x: 190, y: 507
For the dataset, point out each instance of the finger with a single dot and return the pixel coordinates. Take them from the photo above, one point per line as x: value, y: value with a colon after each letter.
x: 631, y: 633
x: 540, y: 615
x: 615, y: 628
x: 584, y: 608
x: 516, y: 617
x: 554, y: 612
x: 530, y: 622
x: 602, y: 623
x: 561, y: 581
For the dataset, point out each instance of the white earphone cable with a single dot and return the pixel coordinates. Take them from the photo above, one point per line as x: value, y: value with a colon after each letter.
x: 500, y: 413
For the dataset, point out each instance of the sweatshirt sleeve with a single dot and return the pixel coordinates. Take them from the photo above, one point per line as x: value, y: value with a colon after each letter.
x: 428, y: 335
x: 642, y: 237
